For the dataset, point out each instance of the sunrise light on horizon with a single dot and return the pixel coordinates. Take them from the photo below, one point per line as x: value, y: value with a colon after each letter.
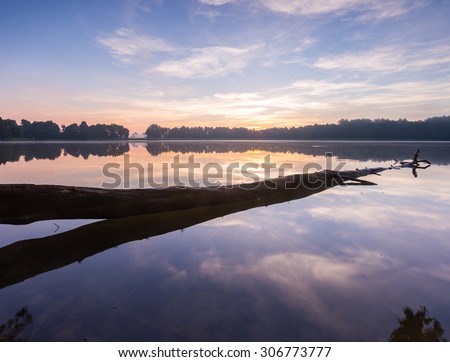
x: 252, y: 63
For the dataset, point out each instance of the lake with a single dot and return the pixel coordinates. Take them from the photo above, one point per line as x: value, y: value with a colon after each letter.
x: 337, y: 265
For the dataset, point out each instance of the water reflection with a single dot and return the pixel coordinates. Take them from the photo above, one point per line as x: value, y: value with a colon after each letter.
x: 10, y: 331
x: 417, y: 327
x: 334, y: 266
x: 437, y: 153
x: 13, y: 151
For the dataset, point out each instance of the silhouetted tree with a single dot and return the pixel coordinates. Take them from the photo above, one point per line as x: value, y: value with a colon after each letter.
x: 9, y: 129
x: 4, y: 130
x: 94, y: 132
x: 83, y: 130
x: 45, y: 130
x: 71, y: 132
x: 25, y: 128
x: 36, y: 130
x: 155, y: 131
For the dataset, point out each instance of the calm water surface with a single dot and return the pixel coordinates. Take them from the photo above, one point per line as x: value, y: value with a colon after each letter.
x: 339, y: 265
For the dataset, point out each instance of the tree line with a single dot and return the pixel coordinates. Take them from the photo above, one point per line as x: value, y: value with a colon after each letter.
x: 432, y: 129
x: 49, y: 130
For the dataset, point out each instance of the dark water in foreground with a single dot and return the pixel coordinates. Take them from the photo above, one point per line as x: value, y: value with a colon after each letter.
x: 339, y: 265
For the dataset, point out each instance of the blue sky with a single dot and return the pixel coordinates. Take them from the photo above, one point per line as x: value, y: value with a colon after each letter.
x: 253, y: 63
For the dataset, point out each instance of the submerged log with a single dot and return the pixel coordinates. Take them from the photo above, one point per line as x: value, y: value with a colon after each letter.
x: 26, y: 203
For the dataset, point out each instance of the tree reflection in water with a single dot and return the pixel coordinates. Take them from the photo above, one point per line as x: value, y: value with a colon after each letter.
x: 11, y: 329
x: 12, y: 152
x: 417, y: 327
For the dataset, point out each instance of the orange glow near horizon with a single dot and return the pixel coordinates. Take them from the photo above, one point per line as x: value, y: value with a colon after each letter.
x: 65, y: 169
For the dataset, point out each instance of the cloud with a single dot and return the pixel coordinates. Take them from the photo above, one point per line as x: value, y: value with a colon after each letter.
x: 131, y: 47
x: 216, y: 2
x: 368, y: 8
x: 308, y: 7
x: 321, y: 99
x: 138, y: 5
x: 208, y: 62
x: 306, y: 101
x: 383, y: 9
x: 388, y: 59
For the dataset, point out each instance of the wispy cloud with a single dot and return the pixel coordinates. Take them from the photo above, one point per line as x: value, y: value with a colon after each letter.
x: 361, y: 10
x: 388, y: 59
x: 308, y: 7
x: 310, y: 100
x: 367, y: 8
x: 131, y: 47
x: 209, y: 62
x: 138, y: 5
x: 216, y: 2
x: 383, y: 9
x: 328, y: 100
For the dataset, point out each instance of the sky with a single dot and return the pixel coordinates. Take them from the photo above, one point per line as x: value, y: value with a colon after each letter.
x: 252, y: 63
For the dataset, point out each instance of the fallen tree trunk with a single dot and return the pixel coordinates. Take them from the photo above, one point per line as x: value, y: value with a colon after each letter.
x: 26, y: 203
x: 27, y: 258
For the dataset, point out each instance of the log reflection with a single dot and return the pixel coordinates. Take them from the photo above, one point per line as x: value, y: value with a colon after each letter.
x: 27, y: 258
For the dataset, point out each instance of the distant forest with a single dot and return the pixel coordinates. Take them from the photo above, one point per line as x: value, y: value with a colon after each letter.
x: 431, y: 129
x: 49, y: 130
